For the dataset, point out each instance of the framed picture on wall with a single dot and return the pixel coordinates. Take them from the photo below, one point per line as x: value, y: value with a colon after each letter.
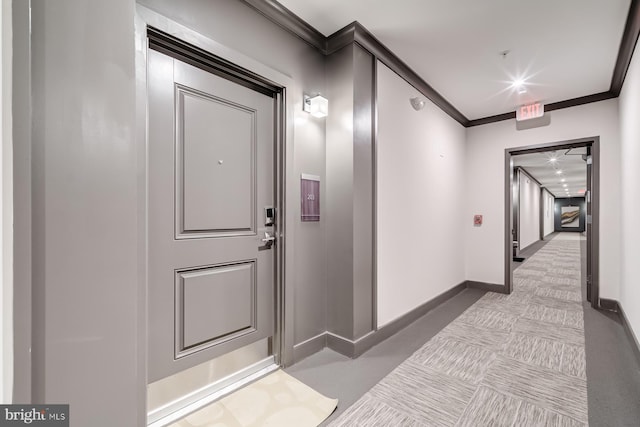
x: 570, y: 217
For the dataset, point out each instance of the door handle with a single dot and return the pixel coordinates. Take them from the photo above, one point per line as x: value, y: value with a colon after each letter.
x: 268, y: 240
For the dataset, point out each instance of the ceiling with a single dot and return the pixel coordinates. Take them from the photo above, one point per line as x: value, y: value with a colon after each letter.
x: 561, y: 49
x: 572, y: 179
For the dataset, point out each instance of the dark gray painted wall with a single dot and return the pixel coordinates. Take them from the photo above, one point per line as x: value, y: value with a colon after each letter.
x: 340, y: 193
x: 81, y: 175
x: 85, y: 211
x: 559, y: 203
x: 363, y: 207
x: 22, y: 201
x: 239, y: 27
x: 350, y: 74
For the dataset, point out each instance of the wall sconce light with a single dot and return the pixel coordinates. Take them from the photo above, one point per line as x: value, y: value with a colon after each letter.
x: 317, y: 106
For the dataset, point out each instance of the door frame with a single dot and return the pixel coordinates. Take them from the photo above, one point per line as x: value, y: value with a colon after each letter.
x: 219, y: 59
x: 593, y: 235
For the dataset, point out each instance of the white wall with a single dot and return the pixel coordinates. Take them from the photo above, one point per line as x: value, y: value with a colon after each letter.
x: 529, y: 212
x: 548, y: 204
x: 630, y: 170
x: 485, y: 186
x: 6, y: 208
x: 420, y: 190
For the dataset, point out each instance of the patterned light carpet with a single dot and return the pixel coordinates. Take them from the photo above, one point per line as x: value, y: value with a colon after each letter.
x: 509, y: 360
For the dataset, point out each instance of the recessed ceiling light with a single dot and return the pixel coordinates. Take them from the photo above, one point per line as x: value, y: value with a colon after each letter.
x: 562, y: 180
x: 559, y: 172
x: 553, y: 159
x: 519, y: 86
x: 564, y: 185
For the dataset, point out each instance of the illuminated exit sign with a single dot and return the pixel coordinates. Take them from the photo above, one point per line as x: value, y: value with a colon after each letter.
x: 530, y: 111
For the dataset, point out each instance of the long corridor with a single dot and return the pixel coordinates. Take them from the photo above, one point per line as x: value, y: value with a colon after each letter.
x: 509, y: 360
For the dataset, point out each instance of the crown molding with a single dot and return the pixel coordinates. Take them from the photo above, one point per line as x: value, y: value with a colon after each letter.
x: 492, y: 119
x: 548, y: 107
x: 356, y: 33
x: 580, y: 101
x: 627, y: 46
x: 288, y: 20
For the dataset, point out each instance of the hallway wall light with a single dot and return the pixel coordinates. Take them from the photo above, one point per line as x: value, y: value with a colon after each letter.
x: 317, y: 106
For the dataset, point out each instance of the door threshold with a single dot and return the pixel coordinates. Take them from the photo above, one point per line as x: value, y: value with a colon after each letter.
x: 182, y: 407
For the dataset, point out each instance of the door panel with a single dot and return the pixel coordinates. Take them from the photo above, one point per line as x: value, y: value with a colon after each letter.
x: 216, y: 149
x: 211, y: 279
x: 197, y: 323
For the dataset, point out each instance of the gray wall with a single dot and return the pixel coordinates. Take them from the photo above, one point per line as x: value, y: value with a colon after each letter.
x: 363, y: 206
x: 22, y: 201
x: 81, y: 177
x: 350, y: 192
x: 557, y: 211
x: 340, y: 193
x: 85, y: 211
x: 239, y: 27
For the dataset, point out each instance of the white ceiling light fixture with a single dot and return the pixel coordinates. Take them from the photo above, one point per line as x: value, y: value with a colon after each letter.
x: 559, y: 172
x: 317, y: 106
x: 519, y: 86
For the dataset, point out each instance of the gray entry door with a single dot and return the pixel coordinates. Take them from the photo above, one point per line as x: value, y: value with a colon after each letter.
x: 210, y: 177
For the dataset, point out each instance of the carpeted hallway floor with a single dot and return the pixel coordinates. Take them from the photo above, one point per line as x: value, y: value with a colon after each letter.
x: 508, y: 360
